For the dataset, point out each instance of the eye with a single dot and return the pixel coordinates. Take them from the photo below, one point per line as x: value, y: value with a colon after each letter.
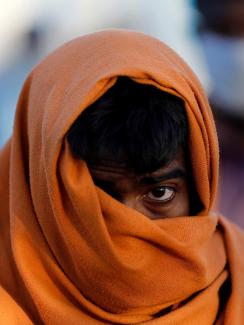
x: 160, y: 194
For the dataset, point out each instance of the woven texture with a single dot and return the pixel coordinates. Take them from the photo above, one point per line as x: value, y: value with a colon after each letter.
x: 71, y: 254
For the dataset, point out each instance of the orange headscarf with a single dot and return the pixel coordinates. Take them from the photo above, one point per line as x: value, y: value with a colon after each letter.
x: 71, y: 254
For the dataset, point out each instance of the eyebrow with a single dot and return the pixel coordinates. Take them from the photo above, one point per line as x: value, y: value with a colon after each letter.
x: 175, y: 173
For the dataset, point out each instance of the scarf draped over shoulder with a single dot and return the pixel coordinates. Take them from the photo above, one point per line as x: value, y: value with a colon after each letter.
x: 71, y: 254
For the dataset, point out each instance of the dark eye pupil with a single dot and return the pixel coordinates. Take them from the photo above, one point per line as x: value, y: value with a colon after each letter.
x: 158, y: 192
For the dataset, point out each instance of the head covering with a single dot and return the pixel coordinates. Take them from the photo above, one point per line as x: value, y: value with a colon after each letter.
x: 70, y: 253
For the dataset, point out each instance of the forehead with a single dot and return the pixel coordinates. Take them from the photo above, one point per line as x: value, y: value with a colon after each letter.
x: 113, y: 170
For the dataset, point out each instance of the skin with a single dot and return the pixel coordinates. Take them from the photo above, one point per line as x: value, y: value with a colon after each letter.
x: 161, y: 194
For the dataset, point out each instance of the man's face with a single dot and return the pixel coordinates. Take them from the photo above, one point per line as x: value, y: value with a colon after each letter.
x: 161, y: 194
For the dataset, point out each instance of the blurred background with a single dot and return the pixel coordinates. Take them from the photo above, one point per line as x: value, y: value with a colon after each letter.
x: 208, y: 34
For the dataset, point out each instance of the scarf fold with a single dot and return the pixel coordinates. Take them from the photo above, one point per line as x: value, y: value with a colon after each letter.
x: 71, y: 254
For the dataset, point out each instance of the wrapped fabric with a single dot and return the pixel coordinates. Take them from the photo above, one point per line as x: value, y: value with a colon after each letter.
x: 70, y: 253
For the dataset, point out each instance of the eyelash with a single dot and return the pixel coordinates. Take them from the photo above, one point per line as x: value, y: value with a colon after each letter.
x: 158, y: 201
x: 144, y: 197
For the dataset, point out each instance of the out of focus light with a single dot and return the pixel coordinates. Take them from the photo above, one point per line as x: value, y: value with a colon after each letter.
x: 29, y: 29
x: 16, y: 16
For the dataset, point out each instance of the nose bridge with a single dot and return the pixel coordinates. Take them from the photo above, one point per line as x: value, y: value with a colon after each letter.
x: 129, y: 201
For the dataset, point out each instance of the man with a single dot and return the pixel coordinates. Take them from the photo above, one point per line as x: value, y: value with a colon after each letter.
x: 107, y: 193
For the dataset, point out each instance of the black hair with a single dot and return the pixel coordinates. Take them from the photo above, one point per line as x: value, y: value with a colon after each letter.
x: 134, y: 124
